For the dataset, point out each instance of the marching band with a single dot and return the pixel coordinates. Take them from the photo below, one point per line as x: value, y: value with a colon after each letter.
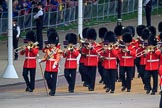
x: 115, y: 57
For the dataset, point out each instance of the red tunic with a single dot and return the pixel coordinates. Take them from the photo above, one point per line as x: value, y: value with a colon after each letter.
x: 82, y: 58
x: 51, y: 60
x: 152, y: 60
x: 91, y: 55
x: 71, y: 59
x: 30, y: 57
x: 127, y: 58
x: 110, y: 57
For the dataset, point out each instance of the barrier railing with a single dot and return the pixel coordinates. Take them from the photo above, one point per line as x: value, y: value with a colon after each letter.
x: 68, y: 15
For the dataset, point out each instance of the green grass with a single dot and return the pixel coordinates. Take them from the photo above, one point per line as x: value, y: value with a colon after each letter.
x: 91, y: 22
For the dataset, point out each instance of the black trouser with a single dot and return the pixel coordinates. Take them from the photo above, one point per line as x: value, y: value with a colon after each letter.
x: 39, y: 27
x: 142, y: 73
x: 160, y: 106
x: 15, y: 45
x: 126, y: 80
x: 147, y: 77
x: 100, y: 70
x: 109, y: 78
x: 91, y: 71
x: 51, y: 79
x: 137, y: 64
x: 70, y: 75
x: 118, y: 71
x: 148, y: 15
x: 82, y: 71
x: 29, y: 83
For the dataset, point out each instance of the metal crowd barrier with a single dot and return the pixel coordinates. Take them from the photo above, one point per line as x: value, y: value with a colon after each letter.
x: 68, y: 15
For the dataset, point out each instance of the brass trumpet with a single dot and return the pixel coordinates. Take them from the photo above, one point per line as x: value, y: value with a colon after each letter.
x: 70, y: 47
x: 147, y: 50
x: 29, y: 46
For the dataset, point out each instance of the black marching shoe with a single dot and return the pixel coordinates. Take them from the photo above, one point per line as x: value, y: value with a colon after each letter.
x: 85, y: 84
x: 51, y: 93
x: 111, y: 91
x: 90, y: 89
x: 28, y: 89
x: 107, y: 90
x: 152, y: 93
x: 71, y: 91
x: 104, y: 87
x: 147, y: 91
x: 123, y: 89
x: 128, y: 90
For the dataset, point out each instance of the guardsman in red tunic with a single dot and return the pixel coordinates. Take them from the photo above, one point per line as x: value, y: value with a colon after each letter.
x: 134, y: 43
x: 71, y: 54
x: 91, y: 61
x: 52, y: 58
x: 82, y: 68
x: 118, y: 31
x: 109, y: 56
x: 145, y: 34
x: 152, y: 65
x: 126, y: 57
x: 30, y: 51
x: 102, y: 31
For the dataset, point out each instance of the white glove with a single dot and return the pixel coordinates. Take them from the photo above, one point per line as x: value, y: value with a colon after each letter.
x: 39, y: 60
x: 54, y: 65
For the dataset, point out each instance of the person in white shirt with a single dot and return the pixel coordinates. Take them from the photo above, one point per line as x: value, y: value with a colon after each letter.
x: 16, y: 35
x: 148, y: 8
x: 39, y: 25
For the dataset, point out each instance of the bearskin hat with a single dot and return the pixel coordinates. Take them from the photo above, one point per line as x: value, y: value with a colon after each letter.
x: 132, y: 30
x: 30, y: 36
x: 160, y: 36
x: 53, y: 37
x: 118, y: 30
x: 127, y: 37
x: 160, y: 27
x: 139, y: 29
x: 129, y: 29
x: 146, y: 33
x: 153, y: 30
x: 84, y: 32
x: 152, y: 41
x: 102, y: 32
x: 91, y: 34
x: 109, y: 37
x: 49, y: 31
x: 71, y: 38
